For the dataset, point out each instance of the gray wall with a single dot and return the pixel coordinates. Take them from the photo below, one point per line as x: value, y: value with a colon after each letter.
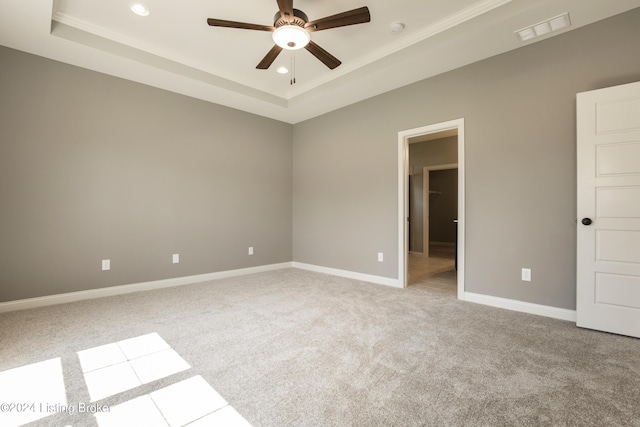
x: 519, y: 111
x: 442, y: 151
x: 93, y: 167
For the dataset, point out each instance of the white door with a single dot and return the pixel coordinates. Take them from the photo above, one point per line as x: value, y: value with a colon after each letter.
x: 608, y: 256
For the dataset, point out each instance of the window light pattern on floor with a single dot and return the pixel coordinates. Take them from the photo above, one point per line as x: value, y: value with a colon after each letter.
x: 112, y: 369
x: 38, y: 388
x: 192, y: 402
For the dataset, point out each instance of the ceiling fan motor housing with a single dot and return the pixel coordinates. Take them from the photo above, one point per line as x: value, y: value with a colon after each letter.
x: 299, y: 19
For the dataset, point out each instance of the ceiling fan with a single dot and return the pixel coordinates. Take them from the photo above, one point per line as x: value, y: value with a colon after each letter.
x: 291, y: 30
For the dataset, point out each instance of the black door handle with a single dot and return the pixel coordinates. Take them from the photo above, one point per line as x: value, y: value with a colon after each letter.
x: 587, y: 221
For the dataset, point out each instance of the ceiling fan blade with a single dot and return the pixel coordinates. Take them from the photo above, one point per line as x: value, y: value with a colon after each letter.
x: 242, y: 25
x: 325, y: 57
x: 269, y: 58
x: 351, y: 17
x: 286, y: 9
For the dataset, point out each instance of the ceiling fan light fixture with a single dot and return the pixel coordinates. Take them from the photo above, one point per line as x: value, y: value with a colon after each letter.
x: 291, y: 37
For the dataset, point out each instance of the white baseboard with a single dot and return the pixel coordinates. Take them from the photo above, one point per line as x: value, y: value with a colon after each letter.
x: 349, y: 274
x: 136, y: 287
x: 524, y: 307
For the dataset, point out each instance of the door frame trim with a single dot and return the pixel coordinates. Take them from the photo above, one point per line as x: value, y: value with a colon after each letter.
x: 403, y: 197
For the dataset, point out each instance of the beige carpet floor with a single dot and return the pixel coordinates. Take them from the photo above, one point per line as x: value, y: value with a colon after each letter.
x: 296, y: 348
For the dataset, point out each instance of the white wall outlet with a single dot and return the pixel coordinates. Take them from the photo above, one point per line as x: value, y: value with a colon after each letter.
x: 526, y: 274
x: 250, y: 250
x: 106, y: 264
x: 380, y: 257
x: 176, y: 258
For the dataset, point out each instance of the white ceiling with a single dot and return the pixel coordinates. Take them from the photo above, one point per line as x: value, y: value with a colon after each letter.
x: 174, y: 48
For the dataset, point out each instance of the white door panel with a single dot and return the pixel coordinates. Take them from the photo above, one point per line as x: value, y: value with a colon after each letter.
x: 618, y: 115
x: 608, y: 255
x: 619, y: 159
x: 618, y: 246
x: 618, y: 202
x: 618, y: 289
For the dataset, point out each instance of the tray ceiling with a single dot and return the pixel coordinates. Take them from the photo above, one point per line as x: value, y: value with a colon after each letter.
x: 174, y: 49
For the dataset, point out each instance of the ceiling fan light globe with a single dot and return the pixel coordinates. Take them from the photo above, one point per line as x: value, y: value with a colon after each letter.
x: 291, y: 37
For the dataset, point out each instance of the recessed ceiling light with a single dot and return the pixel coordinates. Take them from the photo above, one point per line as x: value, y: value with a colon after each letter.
x: 282, y: 70
x: 396, y: 27
x: 139, y: 9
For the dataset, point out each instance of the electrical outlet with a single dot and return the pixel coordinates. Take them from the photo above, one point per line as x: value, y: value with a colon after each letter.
x: 106, y: 264
x: 176, y: 258
x: 250, y: 250
x: 380, y: 257
x: 526, y: 274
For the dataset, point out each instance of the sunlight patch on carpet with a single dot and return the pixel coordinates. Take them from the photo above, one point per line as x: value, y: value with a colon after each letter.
x: 113, y: 368
x: 32, y: 392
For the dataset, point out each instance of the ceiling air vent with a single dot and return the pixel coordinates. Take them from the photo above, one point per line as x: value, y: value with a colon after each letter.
x: 544, y: 27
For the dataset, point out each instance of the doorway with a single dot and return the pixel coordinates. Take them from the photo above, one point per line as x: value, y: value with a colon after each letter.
x: 454, y: 132
x: 433, y: 211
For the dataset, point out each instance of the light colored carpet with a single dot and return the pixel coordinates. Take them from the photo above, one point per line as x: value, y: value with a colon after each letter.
x: 296, y: 348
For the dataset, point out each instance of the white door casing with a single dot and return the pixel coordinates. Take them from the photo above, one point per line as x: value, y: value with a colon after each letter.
x: 608, y: 249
